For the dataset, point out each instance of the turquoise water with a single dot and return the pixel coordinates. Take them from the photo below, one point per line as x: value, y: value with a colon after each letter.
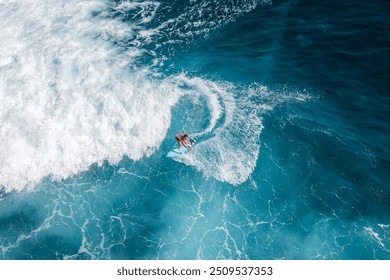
x: 288, y: 102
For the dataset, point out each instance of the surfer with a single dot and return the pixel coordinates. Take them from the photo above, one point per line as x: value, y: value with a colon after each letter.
x: 182, y: 140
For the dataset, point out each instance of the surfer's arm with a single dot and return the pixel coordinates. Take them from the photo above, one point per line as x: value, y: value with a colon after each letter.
x: 187, y: 145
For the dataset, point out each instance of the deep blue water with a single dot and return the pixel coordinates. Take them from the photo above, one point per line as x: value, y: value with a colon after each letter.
x: 289, y: 103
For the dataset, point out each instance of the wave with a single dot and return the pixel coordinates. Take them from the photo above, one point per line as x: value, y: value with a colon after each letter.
x: 73, y: 93
x: 68, y: 97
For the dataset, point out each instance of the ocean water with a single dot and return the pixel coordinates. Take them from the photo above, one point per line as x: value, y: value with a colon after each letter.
x: 288, y: 101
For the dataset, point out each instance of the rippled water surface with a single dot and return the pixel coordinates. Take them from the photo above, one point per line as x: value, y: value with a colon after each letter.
x: 288, y: 101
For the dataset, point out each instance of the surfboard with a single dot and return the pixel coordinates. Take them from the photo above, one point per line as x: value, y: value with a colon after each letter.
x: 175, y: 152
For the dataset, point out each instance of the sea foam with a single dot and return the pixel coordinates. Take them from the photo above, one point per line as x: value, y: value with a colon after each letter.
x: 230, y: 152
x: 69, y: 98
x: 73, y: 93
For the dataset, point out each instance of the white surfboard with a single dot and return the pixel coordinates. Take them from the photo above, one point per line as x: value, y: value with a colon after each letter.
x: 175, y: 152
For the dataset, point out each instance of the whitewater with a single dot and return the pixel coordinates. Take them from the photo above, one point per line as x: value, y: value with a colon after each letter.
x: 288, y: 147
x: 72, y: 98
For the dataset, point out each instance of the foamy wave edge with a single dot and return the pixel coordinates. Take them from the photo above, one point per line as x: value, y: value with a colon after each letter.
x: 70, y: 98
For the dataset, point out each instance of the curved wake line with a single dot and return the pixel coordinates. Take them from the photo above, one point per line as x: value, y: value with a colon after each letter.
x: 72, y: 96
x: 229, y: 155
x: 231, y: 150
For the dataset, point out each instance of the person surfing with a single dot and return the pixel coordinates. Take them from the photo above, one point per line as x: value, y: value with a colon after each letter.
x: 183, y: 140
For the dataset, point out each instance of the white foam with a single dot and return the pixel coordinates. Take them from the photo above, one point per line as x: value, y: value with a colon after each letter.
x: 375, y: 236
x: 232, y: 149
x: 200, y: 87
x: 230, y: 154
x: 198, y: 19
x: 146, y: 10
x: 68, y: 97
